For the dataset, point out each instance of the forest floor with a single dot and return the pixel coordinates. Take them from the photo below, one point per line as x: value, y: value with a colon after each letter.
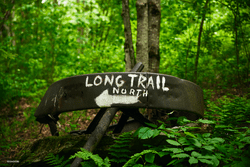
x: 21, y: 130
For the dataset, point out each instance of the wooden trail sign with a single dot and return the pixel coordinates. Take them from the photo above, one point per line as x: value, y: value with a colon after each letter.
x: 121, y: 89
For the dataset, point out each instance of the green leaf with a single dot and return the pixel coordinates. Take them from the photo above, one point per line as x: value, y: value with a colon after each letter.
x: 162, y: 127
x: 173, y: 161
x: 217, y: 140
x: 181, y: 155
x: 206, y: 157
x: 246, y: 139
x: 195, y: 142
x: 196, y: 154
x: 192, y: 160
x: 221, y: 126
x: 206, y: 161
x: 145, y: 133
x: 183, y: 141
x: 156, y: 132
x: 215, y: 161
x: 219, y: 155
x: 106, y: 160
x: 150, y: 157
x: 138, y: 165
x: 133, y: 159
x: 206, y: 121
x: 150, y: 124
x: 174, y: 150
x: 206, y: 135
x: 172, y: 142
x: 190, y: 134
x: 209, y: 148
x: 162, y: 153
x: 188, y: 148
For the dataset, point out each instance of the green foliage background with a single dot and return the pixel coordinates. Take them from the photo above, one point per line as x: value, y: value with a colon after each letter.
x: 43, y: 41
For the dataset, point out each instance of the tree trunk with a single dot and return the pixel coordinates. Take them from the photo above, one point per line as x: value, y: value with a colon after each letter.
x: 80, y: 33
x: 147, y: 46
x: 237, y: 51
x: 154, y: 19
x: 128, y: 45
x: 52, y: 52
x: 199, y: 42
x: 142, y: 33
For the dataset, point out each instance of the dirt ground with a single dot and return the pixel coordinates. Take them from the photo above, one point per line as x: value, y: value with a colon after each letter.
x: 26, y: 133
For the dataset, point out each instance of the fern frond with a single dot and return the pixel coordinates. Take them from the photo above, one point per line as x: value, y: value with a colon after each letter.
x: 120, y: 150
x: 136, y: 157
x: 121, y: 160
x: 120, y: 155
x: 86, y: 155
x: 56, y: 160
x: 123, y: 150
x: 120, y: 145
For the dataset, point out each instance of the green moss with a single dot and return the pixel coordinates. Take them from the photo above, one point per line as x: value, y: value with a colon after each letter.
x: 38, y: 150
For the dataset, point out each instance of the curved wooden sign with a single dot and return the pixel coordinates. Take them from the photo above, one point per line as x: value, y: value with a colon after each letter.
x: 121, y: 89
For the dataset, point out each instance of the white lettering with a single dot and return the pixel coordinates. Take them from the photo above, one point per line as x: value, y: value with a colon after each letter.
x: 115, y: 90
x: 132, y: 92
x: 107, y: 79
x: 116, y: 81
x: 123, y: 91
x: 141, y: 80
x: 163, y: 85
x: 138, y: 92
x: 143, y: 83
x: 158, y: 81
x: 100, y: 82
x: 132, y: 79
x: 150, y: 82
x: 87, y: 84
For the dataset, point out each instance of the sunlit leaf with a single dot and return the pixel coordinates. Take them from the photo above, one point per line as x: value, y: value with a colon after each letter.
x: 206, y: 161
x: 192, y: 160
x: 217, y: 140
x: 190, y: 134
x: 196, y: 154
x: 209, y: 148
x: 172, y: 142
x: 174, y: 150
x: 188, y: 148
x: 181, y: 155
x: 206, y: 121
x: 145, y: 133
x: 195, y: 142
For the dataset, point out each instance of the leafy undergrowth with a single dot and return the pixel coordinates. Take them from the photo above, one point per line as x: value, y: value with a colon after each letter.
x: 19, y: 127
x: 221, y: 139
x: 184, y: 147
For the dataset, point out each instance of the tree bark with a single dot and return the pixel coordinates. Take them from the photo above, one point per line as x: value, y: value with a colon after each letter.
x: 142, y: 33
x: 154, y: 19
x: 128, y: 45
x: 199, y: 42
x: 80, y: 33
x: 237, y: 51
